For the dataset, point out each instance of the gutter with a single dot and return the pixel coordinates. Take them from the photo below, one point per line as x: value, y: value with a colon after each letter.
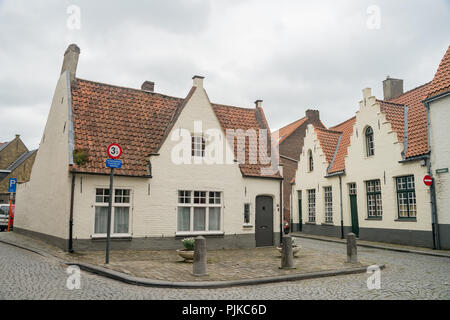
x: 434, y: 215
x: 72, y: 191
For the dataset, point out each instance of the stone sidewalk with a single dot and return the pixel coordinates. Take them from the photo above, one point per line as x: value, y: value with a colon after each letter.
x: 223, y: 265
x: 378, y: 245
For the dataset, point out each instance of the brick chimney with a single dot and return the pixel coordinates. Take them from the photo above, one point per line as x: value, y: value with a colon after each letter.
x: 392, y: 88
x: 313, y: 115
x: 148, y: 86
x: 71, y: 61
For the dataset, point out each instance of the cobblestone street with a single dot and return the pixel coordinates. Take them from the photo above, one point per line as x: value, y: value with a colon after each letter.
x: 26, y: 275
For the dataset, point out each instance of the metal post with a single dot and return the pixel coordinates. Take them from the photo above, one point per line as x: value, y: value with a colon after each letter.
x: 9, y: 211
x: 108, y: 227
x: 342, y: 211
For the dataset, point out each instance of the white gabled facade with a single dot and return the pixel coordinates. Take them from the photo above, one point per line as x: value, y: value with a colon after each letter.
x: 149, y: 217
x: 385, y: 165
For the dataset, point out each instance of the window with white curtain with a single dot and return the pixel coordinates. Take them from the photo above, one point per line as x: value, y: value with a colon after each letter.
x: 120, y: 215
x: 199, y: 211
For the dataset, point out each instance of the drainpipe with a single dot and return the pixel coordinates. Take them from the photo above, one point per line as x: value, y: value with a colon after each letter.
x: 342, y: 211
x: 71, y: 215
x: 434, y: 218
x: 281, y: 211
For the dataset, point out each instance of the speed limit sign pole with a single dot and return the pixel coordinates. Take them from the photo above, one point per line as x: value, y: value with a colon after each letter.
x: 114, y: 152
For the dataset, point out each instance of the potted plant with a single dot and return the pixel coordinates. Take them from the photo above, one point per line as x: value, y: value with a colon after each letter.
x: 188, y: 252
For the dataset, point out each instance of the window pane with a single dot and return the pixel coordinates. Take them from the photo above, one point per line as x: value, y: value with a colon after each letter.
x: 122, y: 196
x: 184, y: 219
x: 200, y: 197
x: 402, y: 205
x: 199, y: 219
x: 102, y: 195
x: 214, y: 219
x: 121, y: 219
x: 101, y: 220
x: 412, y: 204
x: 379, y: 205
x: 410, y: 182
x: 247, y: 213
x: 184, y: 197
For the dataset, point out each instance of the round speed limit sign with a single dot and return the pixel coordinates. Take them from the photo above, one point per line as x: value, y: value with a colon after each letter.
x: 114, y: 151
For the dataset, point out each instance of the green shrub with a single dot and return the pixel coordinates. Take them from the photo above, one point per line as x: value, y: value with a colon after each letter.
x: 80, y: 156
x: 189, y: 243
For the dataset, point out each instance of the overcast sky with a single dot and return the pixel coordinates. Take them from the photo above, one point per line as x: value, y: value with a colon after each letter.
x: 294, y: 55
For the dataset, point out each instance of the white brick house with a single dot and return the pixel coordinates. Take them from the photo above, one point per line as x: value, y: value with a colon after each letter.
x: 366, y: 174
x: 157, y: 201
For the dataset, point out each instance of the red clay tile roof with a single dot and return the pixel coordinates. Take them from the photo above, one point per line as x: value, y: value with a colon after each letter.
x: 328, y: 141
x: 395, y: 114
x: 417, y: 120
x: 286, y: 131
x: 243, y: 118
x: 346, y: 128
x: 139, y: 121
x: 441, y: 80
x: 105, y: 114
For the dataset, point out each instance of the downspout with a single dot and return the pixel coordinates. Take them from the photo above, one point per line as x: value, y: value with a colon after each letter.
x: 434, y: 218
x: 71, y: 215
x: 281, y: 211
x: 342, y: 210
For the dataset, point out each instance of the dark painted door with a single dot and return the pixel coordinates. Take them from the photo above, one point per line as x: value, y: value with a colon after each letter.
x: 300, y: 219
x: 264, y: 221
x: 354, y: 210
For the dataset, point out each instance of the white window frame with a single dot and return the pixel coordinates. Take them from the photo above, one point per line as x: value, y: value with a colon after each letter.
x: 191, y: 205
x: 198, y: 145
x: 312, y: 206
x: 114, y: 205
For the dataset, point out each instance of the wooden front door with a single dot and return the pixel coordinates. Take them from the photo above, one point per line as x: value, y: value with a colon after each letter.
x: 264, y: 221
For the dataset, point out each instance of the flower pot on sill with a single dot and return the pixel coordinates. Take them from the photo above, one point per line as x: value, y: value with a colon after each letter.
x: 187, y: 255
x: 295, y: 249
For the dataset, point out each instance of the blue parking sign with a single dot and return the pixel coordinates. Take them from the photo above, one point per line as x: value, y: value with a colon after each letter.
x: 112, y: 163
x: 12, y: 185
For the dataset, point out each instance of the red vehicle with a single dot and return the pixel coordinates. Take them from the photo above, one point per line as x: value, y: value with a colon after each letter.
x: 4, y: 216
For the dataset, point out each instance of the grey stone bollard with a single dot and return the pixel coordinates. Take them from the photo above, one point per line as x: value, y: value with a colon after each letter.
x: 199, y: 268
x: 287, y: 255
x: 352, y: 254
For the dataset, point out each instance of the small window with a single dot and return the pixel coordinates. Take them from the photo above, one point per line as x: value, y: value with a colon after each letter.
x: 120, y: 215
x: 247, y: 213
x: 312, y: 205
x: 406, y: 197
x: 328, y: 205
x: 198, y: 146
x: 374, y: 203
x: 184, y: 197
x: 370, y: 150
x: 310, y: 161
x: 200, y: 197
x: 352, y: 189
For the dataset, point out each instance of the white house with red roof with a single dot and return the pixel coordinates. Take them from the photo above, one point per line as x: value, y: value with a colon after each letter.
x: 366, y: 175
x: 437, y: 103
x: 182, y: 174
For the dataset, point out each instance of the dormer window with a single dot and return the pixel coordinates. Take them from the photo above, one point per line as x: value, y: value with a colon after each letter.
x: 198, y: 146
x: 310, y: 161
x: 370, y: 150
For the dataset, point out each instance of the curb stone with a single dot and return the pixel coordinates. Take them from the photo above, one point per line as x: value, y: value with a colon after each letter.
x: 119, y: 276
x: 214, y: 284
x: 374, y: 246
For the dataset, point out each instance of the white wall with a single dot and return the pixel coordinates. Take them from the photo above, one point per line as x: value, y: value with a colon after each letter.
x: 42, y: 204
x: 440, y: 155
x: 155, y: 215
x: 385, y: 166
